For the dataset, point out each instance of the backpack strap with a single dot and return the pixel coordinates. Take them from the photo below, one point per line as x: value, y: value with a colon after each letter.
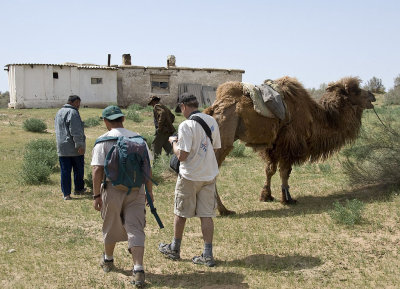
x: 105, y: 138
x: 105, y: 160
x: 203, y: 124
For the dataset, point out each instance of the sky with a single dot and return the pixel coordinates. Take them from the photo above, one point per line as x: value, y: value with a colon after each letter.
x: 315, y: 41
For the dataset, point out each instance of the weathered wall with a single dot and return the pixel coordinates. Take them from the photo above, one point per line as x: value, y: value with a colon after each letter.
x: 98, y: 95
x: 33, y: 86
x: 135, y: 82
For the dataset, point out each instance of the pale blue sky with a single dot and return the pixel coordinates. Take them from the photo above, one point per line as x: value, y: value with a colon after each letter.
x: 314, y: 41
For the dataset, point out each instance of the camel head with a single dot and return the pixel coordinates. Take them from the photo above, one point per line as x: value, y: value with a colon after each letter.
x: 348, y: 90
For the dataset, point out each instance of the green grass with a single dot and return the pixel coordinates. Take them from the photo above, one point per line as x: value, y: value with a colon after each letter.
x: 348, y: 214
x: 265, y: 245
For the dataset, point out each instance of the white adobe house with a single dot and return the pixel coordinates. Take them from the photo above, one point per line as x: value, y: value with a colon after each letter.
x: 49, y: 85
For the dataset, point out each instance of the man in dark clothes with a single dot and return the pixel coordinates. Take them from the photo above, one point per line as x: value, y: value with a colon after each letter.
x: 163, y: 119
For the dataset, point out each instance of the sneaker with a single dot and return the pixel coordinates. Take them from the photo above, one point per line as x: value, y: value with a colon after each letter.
x: 80, y: 192
x: 168, y: 252
x: 107, y: 265
x: 138, y: 278
x: 202, y: 260
x: 67, y: 198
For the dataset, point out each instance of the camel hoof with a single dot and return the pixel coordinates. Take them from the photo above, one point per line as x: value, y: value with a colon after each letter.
x: 267, y: 199
x: 289, y: 202
x: 227, y: 213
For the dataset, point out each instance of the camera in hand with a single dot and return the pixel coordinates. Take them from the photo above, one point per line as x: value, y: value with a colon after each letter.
x: 174, y: 162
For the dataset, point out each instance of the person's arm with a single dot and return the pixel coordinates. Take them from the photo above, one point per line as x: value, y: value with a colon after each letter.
x: 181, y: 155
x: 161, y: 116
x: 97, y: 178
x: 77, y: 132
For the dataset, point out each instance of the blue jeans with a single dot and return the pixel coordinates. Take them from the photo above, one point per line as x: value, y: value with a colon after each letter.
x: 66, y: 165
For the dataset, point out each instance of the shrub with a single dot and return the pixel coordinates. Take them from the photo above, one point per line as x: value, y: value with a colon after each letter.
x: 238, y: 149
x: 161, y: 168
x: 34, y: 125
x: 349, y: 214
x: 149, y: 138
x: 317, y: 93
x: 148, y: 108
x: 46, y: 149
x: 135, y: 106
x: 35, y: 172
x: 133, y: 115
x: 374, y: 158
x: 91, y: 122
x: 392, y: 97
x: 89, y: 179
x: 40, y: 159
x: 375, y: 85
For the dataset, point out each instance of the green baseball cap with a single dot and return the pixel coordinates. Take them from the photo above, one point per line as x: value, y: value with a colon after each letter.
x: 112, y: 112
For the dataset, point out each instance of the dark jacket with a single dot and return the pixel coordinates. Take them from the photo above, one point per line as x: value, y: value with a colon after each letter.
x: 163, y: 119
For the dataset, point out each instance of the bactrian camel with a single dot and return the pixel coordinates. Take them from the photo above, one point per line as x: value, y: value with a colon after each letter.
x: 311, y: 130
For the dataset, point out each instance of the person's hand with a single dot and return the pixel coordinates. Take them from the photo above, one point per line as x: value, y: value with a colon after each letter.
x: 171, y: 139
x: 97, y: 204
x: 81, y: 151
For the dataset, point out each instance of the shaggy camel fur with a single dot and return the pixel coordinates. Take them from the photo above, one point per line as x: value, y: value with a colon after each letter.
x: 311, y: 130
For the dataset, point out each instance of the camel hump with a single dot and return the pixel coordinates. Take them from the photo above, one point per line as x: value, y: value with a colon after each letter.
x: 233, y: 89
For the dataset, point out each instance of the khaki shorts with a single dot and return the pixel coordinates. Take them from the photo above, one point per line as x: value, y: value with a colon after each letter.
x: 195, y: 198
x: 124, y: 216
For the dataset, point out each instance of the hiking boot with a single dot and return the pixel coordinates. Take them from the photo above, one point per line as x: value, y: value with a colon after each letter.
x: 202, y: 260
x: 138, y: 278
x: 80, y: 192
x: 107, y: 265
x: 67, y: 198
x: 168, y: 252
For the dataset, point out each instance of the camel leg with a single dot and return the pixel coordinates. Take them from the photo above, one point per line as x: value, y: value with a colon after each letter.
x: 228, y: 122
x: 270, y: 170
x: 285, y: 170
x: 221, y: 208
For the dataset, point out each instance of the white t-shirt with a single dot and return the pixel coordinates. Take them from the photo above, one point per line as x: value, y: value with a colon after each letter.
x: 201, y: 164
x: 100, y: 150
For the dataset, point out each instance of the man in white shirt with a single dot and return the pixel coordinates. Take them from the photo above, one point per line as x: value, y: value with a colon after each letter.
x: 195, y: 193
x: 124, y: 216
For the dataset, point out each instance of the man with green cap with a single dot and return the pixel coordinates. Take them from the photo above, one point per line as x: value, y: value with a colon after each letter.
x: 123, y: 214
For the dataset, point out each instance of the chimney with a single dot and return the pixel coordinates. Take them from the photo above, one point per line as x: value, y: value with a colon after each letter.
x: 126, y: 59
x: 171, y: 61
x: 109, y: 60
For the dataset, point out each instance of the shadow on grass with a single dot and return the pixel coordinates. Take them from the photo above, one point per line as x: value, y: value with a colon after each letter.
x: 317, y: 204
x: 194, y: 280
x: 272, y: 263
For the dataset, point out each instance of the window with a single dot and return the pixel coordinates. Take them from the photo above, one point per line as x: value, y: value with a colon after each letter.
x: 96, y: 80
x: 159, y: 83
x: 55, y: 75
